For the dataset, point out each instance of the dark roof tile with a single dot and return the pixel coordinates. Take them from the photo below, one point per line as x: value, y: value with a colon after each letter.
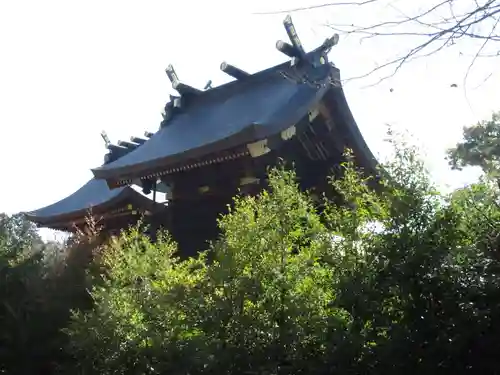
x: 94, y: 193
x: 221, y: 118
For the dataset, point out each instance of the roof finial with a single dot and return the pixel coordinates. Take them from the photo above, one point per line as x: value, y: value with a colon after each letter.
x: 233, y: 71
x: 138, y: 140
x: 294, y: 38
x: 182, y: 88
x: 296, y: 50
x: 330, y: 42
x: 105, y: 138
x: 286, y: 48
x: 128, y: 145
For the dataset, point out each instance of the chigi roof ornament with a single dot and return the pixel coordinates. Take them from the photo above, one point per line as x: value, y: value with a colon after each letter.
x: 176, y: 102
x: 308, y: 67
x: 121, y: 148
x: 233, y: 71
x: 181, y: 88
x: 105, y: 138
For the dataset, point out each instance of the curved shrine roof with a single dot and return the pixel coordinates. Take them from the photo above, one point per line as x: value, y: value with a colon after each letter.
x: 242, y: 111
x: 95, y: 194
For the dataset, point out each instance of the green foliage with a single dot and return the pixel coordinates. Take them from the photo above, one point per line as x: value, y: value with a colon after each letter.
x: 481, y: 147
x: 140, y: 312
x: 262, y: 304
x: 395, y: 279
x: 35, y: 300
x: 18, y: 235
x: 420, y: 298
x: 271, y: 291
x: 20, y: 272
x: 403, y: 279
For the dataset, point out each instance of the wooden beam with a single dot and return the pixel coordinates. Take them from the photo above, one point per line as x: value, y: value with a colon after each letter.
x: 233, y: 71
x: 105, y: 138
x: 182, y: 88
x: 294, y: 38
x: 333, y: 130
x: 138, y: 140
x: 286, y: 48
x: 330, y: 42
x: 171, y: 74
x: 116, y: 148
x: 128, y: 145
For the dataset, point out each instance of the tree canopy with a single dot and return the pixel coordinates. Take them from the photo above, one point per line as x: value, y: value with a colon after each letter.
x: 396, y: 279
x: 402, y: 280
x: 480, y: 147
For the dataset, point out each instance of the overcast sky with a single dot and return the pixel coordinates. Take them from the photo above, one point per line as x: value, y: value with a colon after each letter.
x: 69, y: 69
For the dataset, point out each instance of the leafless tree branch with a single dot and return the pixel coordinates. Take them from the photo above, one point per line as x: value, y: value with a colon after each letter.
x: 433, y: 29
x: 311, y: 7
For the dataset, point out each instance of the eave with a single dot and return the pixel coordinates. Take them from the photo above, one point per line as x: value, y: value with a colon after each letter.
x: 94, y: 199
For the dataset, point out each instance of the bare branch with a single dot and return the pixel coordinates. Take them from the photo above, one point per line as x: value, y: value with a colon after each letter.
x: 479, y: 51
x: 311, y: 7
x: 474, y: 60
x: 437, y: 27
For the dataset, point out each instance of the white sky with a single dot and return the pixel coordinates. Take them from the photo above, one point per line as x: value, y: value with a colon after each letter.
x: 69, y: 69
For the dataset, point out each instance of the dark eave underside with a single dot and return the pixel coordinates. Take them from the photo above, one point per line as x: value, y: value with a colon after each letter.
x: 108, y: 219
x: 225, y: 117
x: 336, y: 102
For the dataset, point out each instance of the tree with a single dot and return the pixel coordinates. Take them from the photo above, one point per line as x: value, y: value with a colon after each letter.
x: 431, y: 270
x: 260, y: 306
x: 403, y: 280
x: 20, y: 273
x: 480, y: 147
x: 36, y: 297
x: 16, y: 232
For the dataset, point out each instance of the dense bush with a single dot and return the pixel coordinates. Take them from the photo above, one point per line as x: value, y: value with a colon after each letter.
x: 39, y: 284
x: 402, y: 279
